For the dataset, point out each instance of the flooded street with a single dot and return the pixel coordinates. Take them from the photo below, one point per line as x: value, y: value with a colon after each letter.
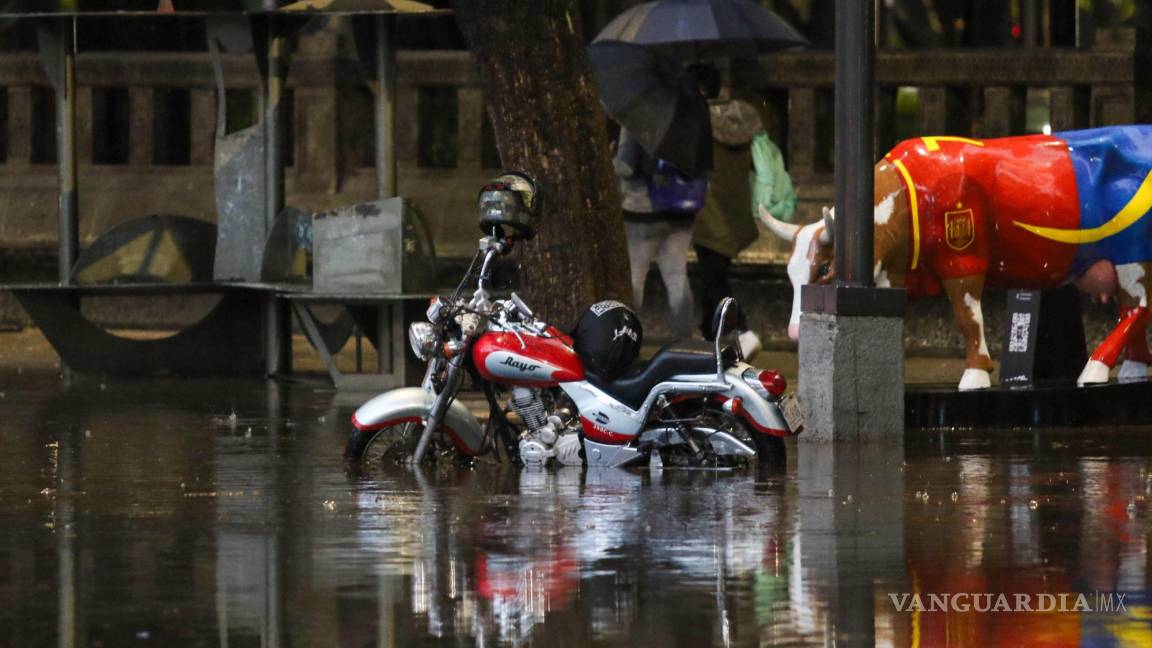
x: 220, y: 513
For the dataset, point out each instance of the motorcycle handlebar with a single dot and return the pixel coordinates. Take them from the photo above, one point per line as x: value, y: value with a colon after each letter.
x: 521, y: 306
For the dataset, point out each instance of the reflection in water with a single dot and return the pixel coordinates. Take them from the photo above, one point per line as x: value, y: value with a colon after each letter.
x: 148, y: 513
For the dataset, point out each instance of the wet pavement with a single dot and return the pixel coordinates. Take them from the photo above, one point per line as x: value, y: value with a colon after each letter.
x: 219, y: 513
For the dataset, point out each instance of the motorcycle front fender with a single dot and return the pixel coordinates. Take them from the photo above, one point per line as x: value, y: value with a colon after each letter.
x: 413, y: 403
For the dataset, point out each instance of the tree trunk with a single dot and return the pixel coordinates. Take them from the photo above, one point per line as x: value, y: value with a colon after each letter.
x: 548, y: 124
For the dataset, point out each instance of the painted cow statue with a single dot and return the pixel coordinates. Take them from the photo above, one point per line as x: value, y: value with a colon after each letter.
x: 954, y: 214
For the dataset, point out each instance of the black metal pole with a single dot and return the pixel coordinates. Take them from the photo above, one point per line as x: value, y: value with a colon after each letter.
x: 855, y: 155
x: 58, y: 53
x: 66, y: 152
x: 1142, y: 61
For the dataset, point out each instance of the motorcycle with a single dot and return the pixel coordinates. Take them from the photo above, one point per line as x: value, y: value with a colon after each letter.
x: 693, y: 404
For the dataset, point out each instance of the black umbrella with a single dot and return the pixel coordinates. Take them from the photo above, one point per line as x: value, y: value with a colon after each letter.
x: 698, y: 29
x: 656, y: 101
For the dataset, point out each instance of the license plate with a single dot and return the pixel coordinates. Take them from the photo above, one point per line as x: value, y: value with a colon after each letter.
x: 790, y: 408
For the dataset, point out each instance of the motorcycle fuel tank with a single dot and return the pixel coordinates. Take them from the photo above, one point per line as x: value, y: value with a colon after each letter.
x: 538, y: 361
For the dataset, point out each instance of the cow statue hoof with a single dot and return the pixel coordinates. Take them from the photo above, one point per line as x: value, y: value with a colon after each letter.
x: 975, y: 379
x: 1132, y: 370
x: 1095, y: 373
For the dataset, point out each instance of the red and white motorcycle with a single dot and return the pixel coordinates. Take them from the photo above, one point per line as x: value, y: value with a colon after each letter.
x: 694, y: 403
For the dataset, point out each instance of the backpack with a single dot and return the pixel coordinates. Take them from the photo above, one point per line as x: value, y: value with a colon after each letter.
x: 670, y: 190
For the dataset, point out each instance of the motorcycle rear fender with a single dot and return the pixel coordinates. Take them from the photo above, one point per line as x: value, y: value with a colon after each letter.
x: 407, y: 403
x: 761, y: 414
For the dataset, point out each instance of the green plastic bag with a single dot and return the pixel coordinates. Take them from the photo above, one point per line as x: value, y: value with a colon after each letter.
x: 771, y: 184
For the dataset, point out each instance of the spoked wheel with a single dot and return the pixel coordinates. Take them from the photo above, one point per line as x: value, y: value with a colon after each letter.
x: 393, y: 444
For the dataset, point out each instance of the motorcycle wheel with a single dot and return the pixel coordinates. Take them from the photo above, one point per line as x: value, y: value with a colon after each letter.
x: 385, y: 446
x: 770, y: 450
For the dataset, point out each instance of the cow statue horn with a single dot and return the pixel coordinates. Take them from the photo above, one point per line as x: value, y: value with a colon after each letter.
x: 829, y: 226
x: 786, y: 231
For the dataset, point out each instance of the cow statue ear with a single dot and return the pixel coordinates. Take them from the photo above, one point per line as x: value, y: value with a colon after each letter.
x: 829, y: 226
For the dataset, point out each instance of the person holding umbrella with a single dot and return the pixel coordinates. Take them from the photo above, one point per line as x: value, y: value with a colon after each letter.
x: 665, y: 120
x: 660, y: 202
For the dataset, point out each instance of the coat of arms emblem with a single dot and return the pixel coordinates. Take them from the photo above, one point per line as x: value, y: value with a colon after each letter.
x: 959, y: 229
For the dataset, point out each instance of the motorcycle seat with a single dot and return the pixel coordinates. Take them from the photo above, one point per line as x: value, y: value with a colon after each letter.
x: 678, y: 358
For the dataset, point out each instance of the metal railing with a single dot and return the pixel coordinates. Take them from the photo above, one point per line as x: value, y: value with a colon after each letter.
x: 978, y: 93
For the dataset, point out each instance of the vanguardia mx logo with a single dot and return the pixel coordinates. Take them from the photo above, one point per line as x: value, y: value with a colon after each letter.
x: 1103, y: 602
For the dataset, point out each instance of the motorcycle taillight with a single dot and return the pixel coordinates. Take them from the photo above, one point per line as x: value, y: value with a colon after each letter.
x: 773, y: 382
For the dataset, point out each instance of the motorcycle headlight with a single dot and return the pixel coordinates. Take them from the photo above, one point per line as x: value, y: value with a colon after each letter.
x: 422, y: 339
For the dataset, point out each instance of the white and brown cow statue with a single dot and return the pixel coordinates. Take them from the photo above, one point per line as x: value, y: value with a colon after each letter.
x: 954, y: 214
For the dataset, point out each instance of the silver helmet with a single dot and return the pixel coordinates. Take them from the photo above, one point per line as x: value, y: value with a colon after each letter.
x: 508, y: 206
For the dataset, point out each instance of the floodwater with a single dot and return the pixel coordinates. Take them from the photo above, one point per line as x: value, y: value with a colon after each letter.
x: 219, y: 513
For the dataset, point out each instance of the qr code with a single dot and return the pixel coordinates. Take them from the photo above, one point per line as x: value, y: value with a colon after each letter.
x: 1018, y: 339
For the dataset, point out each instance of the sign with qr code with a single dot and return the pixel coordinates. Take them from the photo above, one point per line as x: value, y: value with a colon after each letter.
x: 1018, y: 333
x: 1019, y: 358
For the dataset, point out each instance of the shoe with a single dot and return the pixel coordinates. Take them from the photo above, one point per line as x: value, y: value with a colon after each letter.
x: 749, y: 344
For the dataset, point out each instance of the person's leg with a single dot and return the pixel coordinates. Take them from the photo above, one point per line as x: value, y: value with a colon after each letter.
x: 643, y: 242
x: 672, y: 260
x: 714, y: 286
x: 714, y: 268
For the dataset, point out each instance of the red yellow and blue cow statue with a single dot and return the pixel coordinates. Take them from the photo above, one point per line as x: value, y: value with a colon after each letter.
x: 955, y: 214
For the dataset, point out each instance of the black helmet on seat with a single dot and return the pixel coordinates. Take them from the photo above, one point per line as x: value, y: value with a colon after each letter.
x: 508, y: 206
x: 607, y: 338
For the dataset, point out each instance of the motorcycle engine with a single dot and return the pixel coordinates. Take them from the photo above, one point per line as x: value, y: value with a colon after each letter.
x: 534, y: 453
x: 549, y: 431
x: 529, y: 406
